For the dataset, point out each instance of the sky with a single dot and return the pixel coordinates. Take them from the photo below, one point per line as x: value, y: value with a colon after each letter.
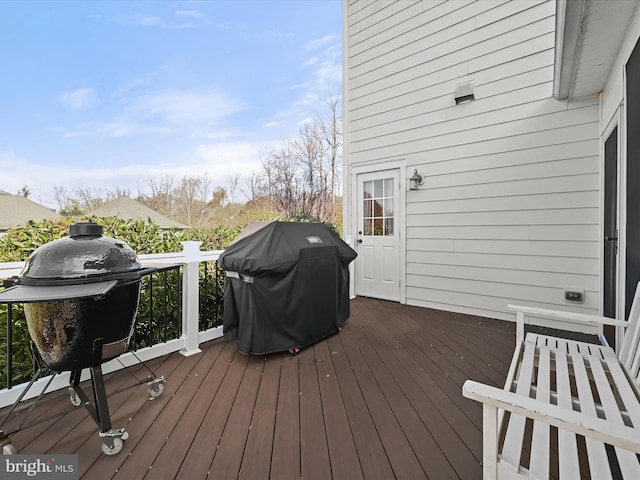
x: 113, y: 94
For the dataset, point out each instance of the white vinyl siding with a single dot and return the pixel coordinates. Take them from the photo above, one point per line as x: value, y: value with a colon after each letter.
x: 509, y: 211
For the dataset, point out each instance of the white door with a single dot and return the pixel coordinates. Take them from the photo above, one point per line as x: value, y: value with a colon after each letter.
x: 378, y: 239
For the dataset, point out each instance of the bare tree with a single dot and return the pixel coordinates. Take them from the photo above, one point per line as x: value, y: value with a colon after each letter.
x: 191, y: 198
x: 309, y: 150
x: 254, y: 184
x: 161, y: 198
x: 234, y: 182
x: 82, y: 200
x: 301, y: 176
x: 186, y: 200
x: 332, y: 132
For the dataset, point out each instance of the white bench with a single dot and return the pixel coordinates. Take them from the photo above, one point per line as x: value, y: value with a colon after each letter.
x: 585, y: 390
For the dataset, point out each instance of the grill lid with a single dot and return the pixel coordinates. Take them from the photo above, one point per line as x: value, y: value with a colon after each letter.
x: 82, y: 257
x: 81, y: 265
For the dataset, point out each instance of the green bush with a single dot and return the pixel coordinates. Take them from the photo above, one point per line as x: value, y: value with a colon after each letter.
x: 157, y: 321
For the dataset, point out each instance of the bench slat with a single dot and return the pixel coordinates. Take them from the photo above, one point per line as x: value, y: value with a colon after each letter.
x: 540, y: 441
x: 597, y: 452
x: 514, y: 436
x: 567, y: 443
x: 625, y: 391
x: 607, y: 393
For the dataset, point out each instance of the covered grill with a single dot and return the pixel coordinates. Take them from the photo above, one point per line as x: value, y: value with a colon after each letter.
x: 81, y: 297
x: 287, y: 286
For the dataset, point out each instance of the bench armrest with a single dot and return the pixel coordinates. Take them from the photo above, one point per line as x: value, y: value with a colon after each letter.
x: 605, y: 431
x: 523, y: 312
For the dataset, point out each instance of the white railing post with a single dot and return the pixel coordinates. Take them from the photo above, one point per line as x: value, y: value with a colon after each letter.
x: 191, y: 297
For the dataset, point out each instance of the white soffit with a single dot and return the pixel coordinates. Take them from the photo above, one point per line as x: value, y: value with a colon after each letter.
x: 589, y: 34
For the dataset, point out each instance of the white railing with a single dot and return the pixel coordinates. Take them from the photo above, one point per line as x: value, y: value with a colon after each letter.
x: 188, y: 343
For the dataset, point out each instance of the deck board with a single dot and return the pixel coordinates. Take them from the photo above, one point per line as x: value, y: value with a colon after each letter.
x: 342, y: 451
x: 379, y: 400
x: 285, y: 459
x: 260, y: 438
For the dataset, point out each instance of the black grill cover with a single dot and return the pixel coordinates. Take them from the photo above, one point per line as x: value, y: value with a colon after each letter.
x: 287, y: 286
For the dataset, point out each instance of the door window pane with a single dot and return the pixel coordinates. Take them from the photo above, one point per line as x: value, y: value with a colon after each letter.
x: 367, y: 189
x: 368, y: 227
x: 378, y: 207
x: 368, y: 208
x: 388, y: 187
x: 388, y: 207
x: 378, y: 229
x: 378, y: 190
x: 388, y: 226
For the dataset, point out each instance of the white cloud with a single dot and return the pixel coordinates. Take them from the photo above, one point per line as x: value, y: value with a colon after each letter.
x: 151, y: 21
x: 304, y: 121
x: 166, y: 111
x: 114, y: 129
x: 79, y: 99
x: 184, y: 107
x: 139, y: 84
x: 191, y: 14
x: 311, y: 62
x: 323, y: 42
x: 228, y: 157
x: 324, y: 79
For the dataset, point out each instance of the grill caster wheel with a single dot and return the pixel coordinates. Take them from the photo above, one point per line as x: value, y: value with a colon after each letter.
x: 117, y: 447
x: 76, y: 401
x: 118, y: 443
x: 8, y: 449
x: 294, y: 351
x: 156, y: 389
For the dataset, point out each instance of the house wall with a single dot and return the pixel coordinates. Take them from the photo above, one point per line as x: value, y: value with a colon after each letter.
x: 613, y: 94
x: 509, y: 209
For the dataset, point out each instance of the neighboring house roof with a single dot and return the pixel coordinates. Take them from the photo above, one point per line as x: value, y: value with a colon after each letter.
x: 588, y: 36
x: 17, y: 210
x: 129, y: 209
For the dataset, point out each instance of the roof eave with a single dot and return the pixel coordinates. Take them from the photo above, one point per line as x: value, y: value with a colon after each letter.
x: 568, y: 24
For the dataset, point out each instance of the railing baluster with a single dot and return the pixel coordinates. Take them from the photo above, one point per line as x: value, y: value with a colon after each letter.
x: 219, y: 292
x: 164, y: 305
x: 204, y: 300
x: 151, y: 317
x: 10, y: 345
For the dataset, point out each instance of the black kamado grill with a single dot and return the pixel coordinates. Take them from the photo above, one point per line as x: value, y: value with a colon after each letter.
x: 80, y: 296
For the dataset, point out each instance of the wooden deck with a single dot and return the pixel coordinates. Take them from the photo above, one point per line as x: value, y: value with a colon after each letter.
x: 379, y: 400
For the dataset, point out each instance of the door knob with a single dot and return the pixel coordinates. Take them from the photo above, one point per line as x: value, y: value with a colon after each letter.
x: 359, y: 240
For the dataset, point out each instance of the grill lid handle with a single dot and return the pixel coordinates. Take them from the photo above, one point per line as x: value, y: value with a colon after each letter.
x: 86, y: 229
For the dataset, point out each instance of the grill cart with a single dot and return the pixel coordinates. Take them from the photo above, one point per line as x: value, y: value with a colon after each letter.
x: 80, y: 296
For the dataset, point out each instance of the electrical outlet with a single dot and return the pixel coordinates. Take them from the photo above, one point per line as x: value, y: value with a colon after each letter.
x: 573, y: 295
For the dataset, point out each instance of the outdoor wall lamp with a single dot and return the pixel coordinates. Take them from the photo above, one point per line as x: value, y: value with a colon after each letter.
x: 415, y: 180
x: 464, y: 93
